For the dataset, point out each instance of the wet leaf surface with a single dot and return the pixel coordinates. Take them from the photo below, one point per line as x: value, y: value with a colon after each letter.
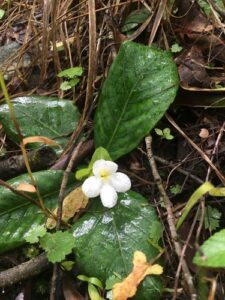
x: 111, y: 237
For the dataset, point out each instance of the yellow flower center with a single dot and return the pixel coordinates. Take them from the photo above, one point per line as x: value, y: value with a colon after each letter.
x: 104, y: 175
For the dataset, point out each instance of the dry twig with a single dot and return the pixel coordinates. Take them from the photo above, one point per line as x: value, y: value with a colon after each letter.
x: 170, y: 219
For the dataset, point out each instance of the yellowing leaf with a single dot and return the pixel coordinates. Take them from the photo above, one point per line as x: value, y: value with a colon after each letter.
x: 206, y: 187
x: 26, y: 187
x: 40, y: 139
x: 217, y: 192
x: 74, y: 202
x: 128, y: 287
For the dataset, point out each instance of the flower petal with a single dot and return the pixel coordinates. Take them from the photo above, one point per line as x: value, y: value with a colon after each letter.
x: 104, y: 165
x: 92, y: 187
x: 121, y: 182
x: 108, y: 196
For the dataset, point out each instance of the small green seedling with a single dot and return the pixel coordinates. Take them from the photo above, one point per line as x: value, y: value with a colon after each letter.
x: 175, y: 189
x: 93, y: 282
x: 165, y: 133
x: 176, y: 48
x: 2, y: 13
x: 71, y: 76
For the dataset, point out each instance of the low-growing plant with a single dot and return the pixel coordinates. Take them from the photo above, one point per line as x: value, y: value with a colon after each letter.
x: 71, y: 77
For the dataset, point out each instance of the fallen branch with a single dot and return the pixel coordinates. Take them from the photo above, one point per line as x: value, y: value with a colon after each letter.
x: 38, y: 159
x: 25, y: 270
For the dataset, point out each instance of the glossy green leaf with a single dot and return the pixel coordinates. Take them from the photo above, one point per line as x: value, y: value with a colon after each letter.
x: 213, y: 252
x: 135, y: 18
x: 141, y: 84
x: 111, y: 237
x: 18, y: 215
x: 45, y: 116
x: 57, y: 245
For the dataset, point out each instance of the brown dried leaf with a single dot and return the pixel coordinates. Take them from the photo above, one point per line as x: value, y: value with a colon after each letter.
x: 40, y: 139
x: 26, y: 187
x: 74, y: 202
x: 128, y: 287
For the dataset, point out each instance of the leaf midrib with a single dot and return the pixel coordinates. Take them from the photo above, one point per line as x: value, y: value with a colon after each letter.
x: 122, y: 112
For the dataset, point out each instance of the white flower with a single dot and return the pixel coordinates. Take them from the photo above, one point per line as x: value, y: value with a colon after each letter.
x: 106, y: 182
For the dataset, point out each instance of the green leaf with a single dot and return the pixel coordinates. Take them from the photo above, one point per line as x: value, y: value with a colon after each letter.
x: 141, y: 84
x: 33, y: 235
x: 100, y: 153
x: 107, y: 238
x: 195, y: 197
x: 175, y: 189
x: 166, y: 131
x: 65, y: 86
x: 92, y: 280
x: 156, y: 232
x: 57, y: 245
x: 206, y: 7
x: 68, y: 265
x: 93, y: 292
x: 18, y: 215
x: 176, y: 48
x: 158, y: 131
x: 212, y: 218
x: 71, y: 72
x: 213, y: 251
x: 46, y: 116
x: 134, y: 19
x: 111, y: 281
x: 74, y: 82
x: 2, y: 13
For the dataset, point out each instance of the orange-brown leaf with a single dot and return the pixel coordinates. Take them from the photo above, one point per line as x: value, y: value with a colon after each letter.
x: 26, y: 187
x: 74, y: 202
x: 40, y: 139
x: 128, y: 287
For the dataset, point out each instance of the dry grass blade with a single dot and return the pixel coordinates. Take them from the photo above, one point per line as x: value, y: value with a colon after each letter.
x: 92, y: 55
x: 158, y: 18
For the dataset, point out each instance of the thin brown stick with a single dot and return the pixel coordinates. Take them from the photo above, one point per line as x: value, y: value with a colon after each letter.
x: 159, y: 15
x: 183, y: 253
x: 92, y: 55
x: 59, y: 211
x: 170, y: 218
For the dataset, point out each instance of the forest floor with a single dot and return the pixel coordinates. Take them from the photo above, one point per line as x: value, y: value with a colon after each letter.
x: 47, y: 37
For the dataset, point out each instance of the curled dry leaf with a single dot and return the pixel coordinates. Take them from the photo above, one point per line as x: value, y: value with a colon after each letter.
x: 26, y: 187
x: 40, y: 139
x: 74, y: 202
x: 128, y: 287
